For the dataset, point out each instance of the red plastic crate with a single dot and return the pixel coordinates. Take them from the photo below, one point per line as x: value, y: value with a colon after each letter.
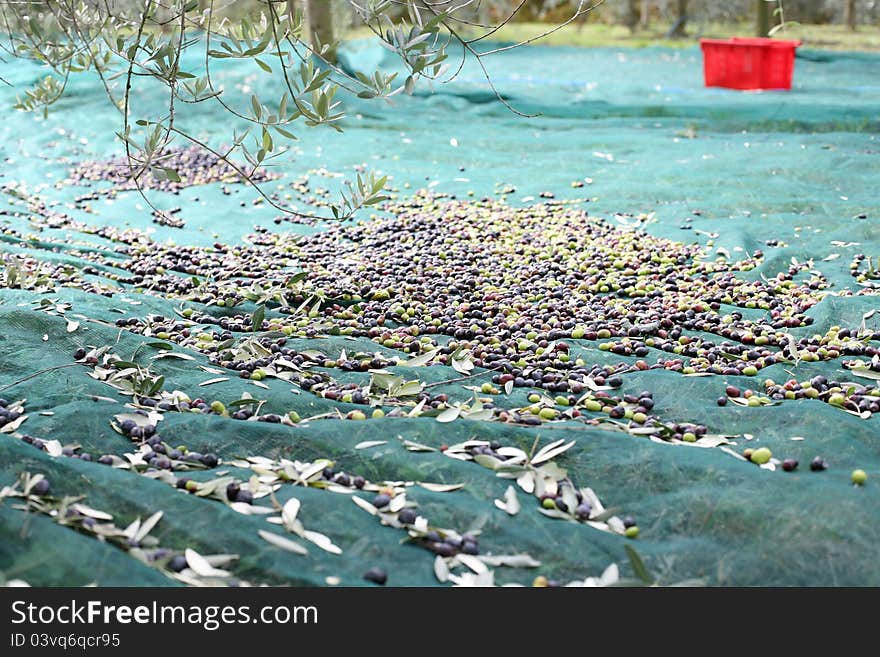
x: 742, y: 63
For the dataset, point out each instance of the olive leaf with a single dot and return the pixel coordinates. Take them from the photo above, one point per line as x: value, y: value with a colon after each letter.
x: 440, y: 488
x: 366, y: 444
x: 257, y: 320
x: 322, y: 541
x: 441, y: 570
x: 282, y: 542
x: 450, y: 414
x: 550, y: 451
x: 219, y: 379
x: 638, y: 565
x: 413, y: 446
x: 366, y: 506
x: 147, y: 526
x: 420, y: 360
x: 289, y: 511
x: 510, y: 504
x: 202, y: 566
x: 510, y: 560
x: 866, y: 373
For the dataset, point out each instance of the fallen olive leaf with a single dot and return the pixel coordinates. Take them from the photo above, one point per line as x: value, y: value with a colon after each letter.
x: 282, y: 542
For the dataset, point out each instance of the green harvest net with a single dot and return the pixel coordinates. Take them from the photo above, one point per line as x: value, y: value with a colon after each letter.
x: 711, y: 164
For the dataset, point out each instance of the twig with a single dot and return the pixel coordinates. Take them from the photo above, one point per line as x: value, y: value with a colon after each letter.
x: 463, y: 378
x: 35, y: 374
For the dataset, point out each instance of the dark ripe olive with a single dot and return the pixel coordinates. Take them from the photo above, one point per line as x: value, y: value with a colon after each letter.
x: 454, y: 541
x: 442, y: 548
x: 177, y: 563
x: 583, y: 511
x: 381, y: 500
x: 244, y: 496
x: 407, y: 516
x: 232, y: 491
x: 818, y: 464
x: 42, y: 487
x: 377, y: 576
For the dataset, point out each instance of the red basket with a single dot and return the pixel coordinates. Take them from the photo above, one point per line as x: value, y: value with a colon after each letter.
x: 741, y: 63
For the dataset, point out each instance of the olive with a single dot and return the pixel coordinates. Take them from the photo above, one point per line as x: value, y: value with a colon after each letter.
x: 42, y: 487
x: 377, y: 576
x: 442, y: 548
x: 818, y: 464
x: 407, y: 516
x: 177, y: 563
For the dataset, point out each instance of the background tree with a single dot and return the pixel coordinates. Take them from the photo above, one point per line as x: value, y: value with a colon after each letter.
x: 762, y: 26
x: 851, y: 19
x: 645, y: 14
x: 633, y: 12
x: 679, y: 27
x: 318, y: 16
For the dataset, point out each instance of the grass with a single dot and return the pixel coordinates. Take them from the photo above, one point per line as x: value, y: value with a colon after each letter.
x: 593, y: 35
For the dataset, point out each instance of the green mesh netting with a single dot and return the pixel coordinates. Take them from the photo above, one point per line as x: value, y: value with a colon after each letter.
x: 739, y: 168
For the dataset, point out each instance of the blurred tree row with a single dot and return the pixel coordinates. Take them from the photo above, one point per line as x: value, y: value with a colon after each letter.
x: 642, y: 14
x: 635, y: 14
